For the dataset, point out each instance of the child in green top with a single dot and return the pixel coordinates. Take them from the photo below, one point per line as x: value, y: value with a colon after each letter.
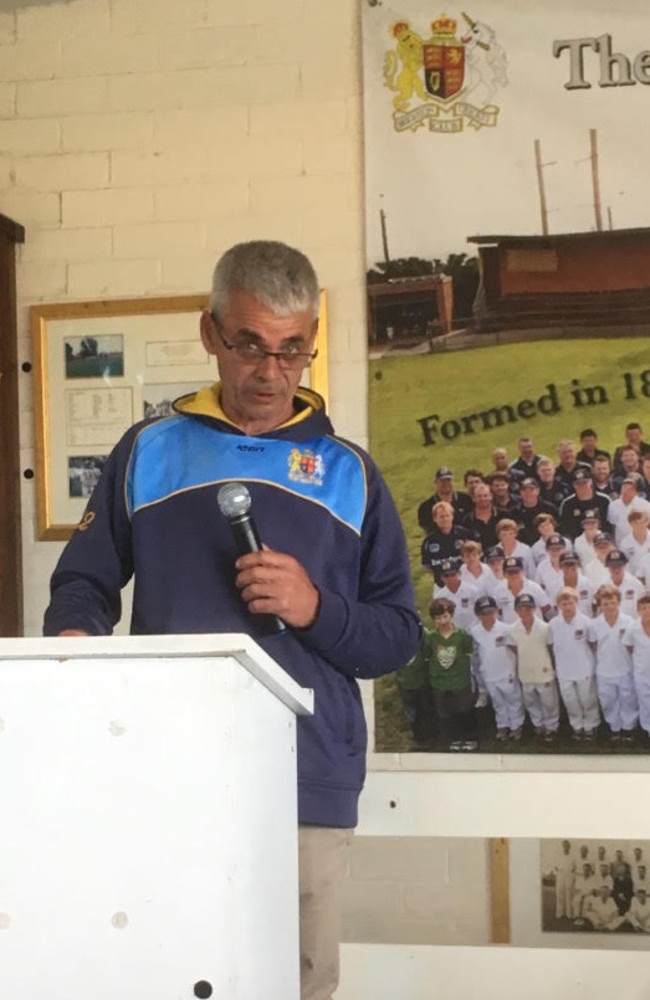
x: 448, y: 654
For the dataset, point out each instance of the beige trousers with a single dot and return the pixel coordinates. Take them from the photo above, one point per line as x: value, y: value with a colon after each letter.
x: 323, y: 854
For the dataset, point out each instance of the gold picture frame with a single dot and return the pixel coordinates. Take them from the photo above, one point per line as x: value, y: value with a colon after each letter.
x: 100, y: 367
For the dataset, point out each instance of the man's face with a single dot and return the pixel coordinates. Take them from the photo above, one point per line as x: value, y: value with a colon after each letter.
x: 616, y: 573
x: 482, y: 495
x: 567, y: 456
x: 526, y: 449
x: 584, y: 489
x: 500, y: 459
x: 259, y: 396
x: 529, y: 496
x: 500, y: 490
x: 634, y: 436
x: 628, y: 492
x: 589, y: 443
x: 507, y: 536
x: 444, y: 519
x: 570, y: 574
x: 471, y: 482
x: 546, y: 472
x: 601, y: 470
x: 629, y: 460
x: 445, y: 486
x: 644, y: 614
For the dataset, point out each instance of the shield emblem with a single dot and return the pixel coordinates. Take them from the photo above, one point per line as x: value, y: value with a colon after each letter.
x: 444, y: 69
x: 446, y: 656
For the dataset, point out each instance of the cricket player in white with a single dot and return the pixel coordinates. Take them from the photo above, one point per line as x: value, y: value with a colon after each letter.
x: 637, y: 643
x: 528, y: 639
x: 565, y: 870
x: 640, y: 879
x: 463, y: 594
x: 620, y: 510
x: 630, y: 588
x: 572, y: 577
x: 584, y: 543
x: 549, y: 572
x: 614, y: 679
x: 602, y: 911
x: 635, y: 545
x: 584, y: 886
x: 595, y: 570
x: 575, y: 666
x: 497, y: 667
x: 513, y: 569
x: 638, y: 914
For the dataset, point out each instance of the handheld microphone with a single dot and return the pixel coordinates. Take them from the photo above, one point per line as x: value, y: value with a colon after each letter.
x: 234, y: 501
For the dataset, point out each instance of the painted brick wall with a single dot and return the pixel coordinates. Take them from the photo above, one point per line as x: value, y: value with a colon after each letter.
x: 417, y: 890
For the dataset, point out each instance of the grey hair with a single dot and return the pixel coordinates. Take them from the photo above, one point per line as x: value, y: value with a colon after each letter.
x: 280, y: 277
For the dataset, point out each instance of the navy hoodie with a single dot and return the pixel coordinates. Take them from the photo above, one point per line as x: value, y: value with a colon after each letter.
x: 319, y: 498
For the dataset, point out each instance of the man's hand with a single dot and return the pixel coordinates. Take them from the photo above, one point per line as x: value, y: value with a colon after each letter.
x: 273, y: 583
x: 73, y: 631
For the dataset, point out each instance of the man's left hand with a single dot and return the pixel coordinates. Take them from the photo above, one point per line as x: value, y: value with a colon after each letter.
x: 272, y: 583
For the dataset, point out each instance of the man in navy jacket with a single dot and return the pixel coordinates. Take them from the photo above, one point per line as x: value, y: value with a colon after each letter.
x: 334, y: 566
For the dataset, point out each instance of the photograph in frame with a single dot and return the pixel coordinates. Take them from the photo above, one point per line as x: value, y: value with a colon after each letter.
x: 578, y: 892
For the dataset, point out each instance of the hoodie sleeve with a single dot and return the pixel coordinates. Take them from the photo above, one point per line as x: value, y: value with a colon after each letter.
x: 380, y: 631
x: 96, y: 563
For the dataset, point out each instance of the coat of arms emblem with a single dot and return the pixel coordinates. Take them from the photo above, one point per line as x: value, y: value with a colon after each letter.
x: 447, y: 80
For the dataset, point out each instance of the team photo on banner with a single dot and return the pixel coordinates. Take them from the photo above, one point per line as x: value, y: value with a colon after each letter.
x: 508, y: 287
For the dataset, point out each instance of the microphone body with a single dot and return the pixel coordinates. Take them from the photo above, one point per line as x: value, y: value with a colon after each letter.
x: 244, y: 531
x: 234, y: 502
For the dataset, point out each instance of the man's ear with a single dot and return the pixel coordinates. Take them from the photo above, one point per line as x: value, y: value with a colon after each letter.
x: 208, y: 332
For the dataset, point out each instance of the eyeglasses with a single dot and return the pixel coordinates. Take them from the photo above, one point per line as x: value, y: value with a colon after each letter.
x: 252, y: 354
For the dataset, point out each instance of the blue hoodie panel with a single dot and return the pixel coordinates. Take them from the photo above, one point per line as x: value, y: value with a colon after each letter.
x: 175, y: 455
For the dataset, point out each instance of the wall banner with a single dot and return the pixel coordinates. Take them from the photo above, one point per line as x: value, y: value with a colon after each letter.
x: 508, y: 281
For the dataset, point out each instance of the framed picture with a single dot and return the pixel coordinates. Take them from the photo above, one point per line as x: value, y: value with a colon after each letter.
x: 99, y: 368
x: 508, y: 302
x: 580, y: 893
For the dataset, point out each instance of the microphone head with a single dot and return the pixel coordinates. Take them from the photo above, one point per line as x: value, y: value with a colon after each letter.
x: 234, y: 499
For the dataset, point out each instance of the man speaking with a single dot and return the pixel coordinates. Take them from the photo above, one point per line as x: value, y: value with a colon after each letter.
x: 332, y: 566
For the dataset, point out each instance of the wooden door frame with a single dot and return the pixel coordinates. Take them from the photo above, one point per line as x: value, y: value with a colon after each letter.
x: 11, y: 575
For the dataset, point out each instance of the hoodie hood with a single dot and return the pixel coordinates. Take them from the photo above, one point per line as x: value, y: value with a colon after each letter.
x: 309, y: 420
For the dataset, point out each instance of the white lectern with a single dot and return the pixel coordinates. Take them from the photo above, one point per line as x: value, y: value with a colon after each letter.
x: 148, y: 828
